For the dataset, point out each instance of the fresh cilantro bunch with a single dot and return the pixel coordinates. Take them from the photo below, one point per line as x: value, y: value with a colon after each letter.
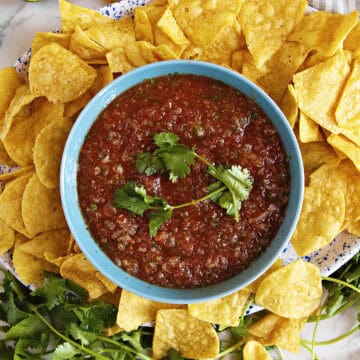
x: 233, y: 183
x: 56, y: 321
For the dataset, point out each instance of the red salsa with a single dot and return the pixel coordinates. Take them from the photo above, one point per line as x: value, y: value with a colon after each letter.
x: 199, y: 245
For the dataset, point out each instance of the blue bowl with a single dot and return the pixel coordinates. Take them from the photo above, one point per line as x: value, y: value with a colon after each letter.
x: 78, y: 227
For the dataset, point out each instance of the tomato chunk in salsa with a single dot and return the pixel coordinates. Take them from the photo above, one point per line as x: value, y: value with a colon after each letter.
x: 199, y: 245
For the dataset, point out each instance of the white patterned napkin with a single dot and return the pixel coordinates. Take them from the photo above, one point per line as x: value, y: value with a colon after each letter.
x: 338, y: 6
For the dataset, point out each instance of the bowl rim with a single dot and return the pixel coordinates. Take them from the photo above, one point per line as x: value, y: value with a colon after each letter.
x: 76, y: 222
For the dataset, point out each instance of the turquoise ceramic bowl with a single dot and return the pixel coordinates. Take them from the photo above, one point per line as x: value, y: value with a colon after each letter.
x: 69, y: 196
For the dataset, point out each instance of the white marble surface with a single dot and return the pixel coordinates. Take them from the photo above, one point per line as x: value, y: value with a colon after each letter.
x: 20, y: 20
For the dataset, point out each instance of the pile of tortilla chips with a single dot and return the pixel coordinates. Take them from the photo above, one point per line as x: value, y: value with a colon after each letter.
x: 309, y: 64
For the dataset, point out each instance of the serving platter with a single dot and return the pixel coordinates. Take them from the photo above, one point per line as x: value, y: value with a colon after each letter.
x: 328, y: 259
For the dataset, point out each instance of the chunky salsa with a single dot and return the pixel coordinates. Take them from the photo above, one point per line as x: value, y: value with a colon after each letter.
x: 199, y: 245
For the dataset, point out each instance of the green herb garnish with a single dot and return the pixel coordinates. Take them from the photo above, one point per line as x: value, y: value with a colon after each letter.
x: 233, y: 183
x: 57, y: 322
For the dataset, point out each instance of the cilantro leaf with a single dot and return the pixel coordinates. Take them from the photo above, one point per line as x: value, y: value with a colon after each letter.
x: 30, y: 327
x: 170, y: 157
x: 57, y: 290
x: 65, y: 351
x: 239, y: 184
x: 130, y: 197
x: 77, y: 333
x: 157, y: 218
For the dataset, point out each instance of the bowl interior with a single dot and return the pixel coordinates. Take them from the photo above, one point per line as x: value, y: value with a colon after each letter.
x: 69, y: 196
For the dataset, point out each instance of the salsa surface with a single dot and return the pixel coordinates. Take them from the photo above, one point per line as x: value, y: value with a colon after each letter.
x: 200, y: 245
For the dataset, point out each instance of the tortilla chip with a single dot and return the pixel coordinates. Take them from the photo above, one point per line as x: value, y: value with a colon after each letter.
x: 293, y: 291
x: 5, y: 159
x: 59, y: 75
x: 252, y: 288
x: 41, y: 208
x: 83, y: 46
x: 352, y: 41
x: 348, y: 109
x: 113, y: 35
x: 16, y: 173
x: 72, y: 108
x: 345, y: 177
x: 266, y: 24
x: 54, y: 243
x: 354, y: 228
x: 72, y: 15
x: 289, y: 105
x: 324, y: 31
x: 309, y: 130
x: 7, y: 237
x: 29, y: 268
x: 104, y: 77
x: 281, y: 68
x: 253, y: 350
x: 225, y: 311
x: 318, y: 89
x: 108, y: 284
x: 48, y: 151
x: 315, y: 154
x: 203, y: 21
x: 118, y: 62
x: 79, y: 269
x: 41, y: 39
x: 321, y: 218
x: 143, y: 29
x: 192, y: 338
x: 135, y: 310
x: 347, y: 147
x: 10, y: 203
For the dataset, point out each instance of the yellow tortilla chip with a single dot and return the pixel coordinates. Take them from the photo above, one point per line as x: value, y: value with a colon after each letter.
x: 16, y: 173
x: 266, y: 24
x: 170, y: 27
x: 354, y: 228
x: 252, y: 288
x: 142, y: 25
x: 352, y: 41
x: 293, y: 291
x: 324, y: 31
x: 10, y: 203
x: 5, y: 159
x: 345, y: 177
x: 48, y: 151
x: 225, y: 311
x: 110, y: 286
x: 113, y: 35
x: 79, y: 269
x: 135, y: 310
x: 221, y: 50
x: 54, y: 243
x: 281, y: 68
x: 72, y: 108
x: 59, y: 75
x: 273, y: 329
x: 321, y: 219
x: 18, y: 106
x: 41, y: 208
x: 347, y: 147
x: 203, y: 21
x: 318, y: 89
x: 192, y: 338
x: 118, y: 62
x: 348, y: 109
x: 253, y: 350
x: 250, y: 69
x: 237, y: 60
x: 104, y: 76
x: 309, y: 130
x: 9, y: 82
x: 315, y: 154
x: 72, y: 15
x: 29, y: 268
x: 289, y: 105
x: 41, y: 39
x: 83, y: 46
x: 7, y: 237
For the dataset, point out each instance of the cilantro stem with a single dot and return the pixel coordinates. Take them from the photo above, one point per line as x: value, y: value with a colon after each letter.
x: 123, y: 346
x: 196, y: 201
x: 332, y: 341
x: 308, y: 349
x: 326, y: 278
x: 314, y: 336
x: 203, y: 159
x: 230, y: 349
x: 65, y: 338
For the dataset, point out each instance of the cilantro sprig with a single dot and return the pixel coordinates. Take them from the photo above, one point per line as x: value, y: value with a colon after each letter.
x: 56, y: 321
x: 233, y: 183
